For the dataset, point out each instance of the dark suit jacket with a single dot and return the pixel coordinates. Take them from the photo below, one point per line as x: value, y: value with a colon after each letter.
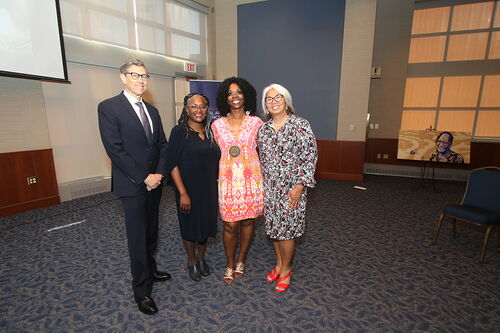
x: 132, y: 156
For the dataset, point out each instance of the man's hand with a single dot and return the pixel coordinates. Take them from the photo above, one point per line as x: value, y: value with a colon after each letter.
x: 152, y: 181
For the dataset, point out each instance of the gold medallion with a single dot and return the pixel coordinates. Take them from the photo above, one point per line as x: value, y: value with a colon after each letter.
x: 234, y: 151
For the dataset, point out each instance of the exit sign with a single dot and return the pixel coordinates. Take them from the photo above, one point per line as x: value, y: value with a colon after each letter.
x: 190, y: 67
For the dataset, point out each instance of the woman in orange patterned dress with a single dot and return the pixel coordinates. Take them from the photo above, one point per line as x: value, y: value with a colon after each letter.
x: 240, y: 177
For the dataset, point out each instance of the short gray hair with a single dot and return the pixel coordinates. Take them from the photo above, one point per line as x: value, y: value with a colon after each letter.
x: 131, y: 62
x: 283, y: 91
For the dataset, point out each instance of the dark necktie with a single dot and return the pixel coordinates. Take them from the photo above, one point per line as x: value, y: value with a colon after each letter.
x: 144, y: 121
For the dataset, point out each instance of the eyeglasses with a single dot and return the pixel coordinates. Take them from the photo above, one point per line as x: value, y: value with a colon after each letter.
x: 278, y: 98
x: 201, y: 107
x: 136, y: 76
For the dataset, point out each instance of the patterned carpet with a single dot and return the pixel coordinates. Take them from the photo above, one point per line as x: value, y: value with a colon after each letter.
x: 364, y: 265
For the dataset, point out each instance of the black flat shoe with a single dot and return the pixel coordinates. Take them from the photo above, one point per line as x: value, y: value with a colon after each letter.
x: 161, y: 276
x: 146, y: 305
x: 204, y: 269
x: 194, y: 272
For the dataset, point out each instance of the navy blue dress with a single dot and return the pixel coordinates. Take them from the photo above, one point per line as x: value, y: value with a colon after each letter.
x: 198, y: 163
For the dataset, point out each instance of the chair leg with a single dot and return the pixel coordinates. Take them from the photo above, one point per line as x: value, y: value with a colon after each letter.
x: 498, y: 239
x: 454, y: 227
x: 485, y: 243
x: 438, y: 228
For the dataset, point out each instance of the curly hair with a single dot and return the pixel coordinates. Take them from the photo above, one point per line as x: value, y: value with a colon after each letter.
x: 249, y: 93
x: 184, y: 117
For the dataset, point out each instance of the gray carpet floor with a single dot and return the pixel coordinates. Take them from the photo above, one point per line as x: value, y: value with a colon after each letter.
x: 365, y: 264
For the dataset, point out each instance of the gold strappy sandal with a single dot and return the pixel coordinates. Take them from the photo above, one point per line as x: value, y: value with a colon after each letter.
x: 228, y: 275
x: 240, y: 268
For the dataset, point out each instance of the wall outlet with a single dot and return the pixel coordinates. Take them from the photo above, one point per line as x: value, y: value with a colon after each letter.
x: 31, y: 180
x: 379, y: 156
x: 376, y: 126
x: 376, y: 72
x: 386, y: 156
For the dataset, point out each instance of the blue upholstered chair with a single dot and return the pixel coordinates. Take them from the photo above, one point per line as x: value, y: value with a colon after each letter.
x: 480, y: 205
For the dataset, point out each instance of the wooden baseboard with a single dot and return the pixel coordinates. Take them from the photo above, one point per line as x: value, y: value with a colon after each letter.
x: 25, y: 206
x: 341, y: 160
x: 340, y: 176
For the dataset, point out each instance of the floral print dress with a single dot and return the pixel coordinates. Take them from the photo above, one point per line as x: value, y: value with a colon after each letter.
x: 240, y: 177
x: 288, y: 157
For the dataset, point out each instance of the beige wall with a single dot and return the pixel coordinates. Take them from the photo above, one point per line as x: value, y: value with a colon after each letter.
x: 226, y: 37
x: 359, y: 27
x: 36, y: 115
x: 72, y: 108
x: 226, y: 44
x: 72, y: 117
x: 390, y: 51
x: 23, y: 122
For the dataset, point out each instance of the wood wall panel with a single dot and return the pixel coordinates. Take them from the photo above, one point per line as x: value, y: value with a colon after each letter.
x: 422, y: 92
x: 467, y: 46
x: 427, y: 49
x: 472, y: 16
x: 482, y: 154
x: 430, y: 20
x: 16, y: 195
x: 340, y: 160
x: 460, y: 91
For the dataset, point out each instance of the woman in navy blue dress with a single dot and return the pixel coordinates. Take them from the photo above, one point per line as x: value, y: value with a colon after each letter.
x: 194, y: 164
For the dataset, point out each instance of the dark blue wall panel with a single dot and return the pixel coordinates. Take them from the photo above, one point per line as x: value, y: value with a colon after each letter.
x: 296, y: 43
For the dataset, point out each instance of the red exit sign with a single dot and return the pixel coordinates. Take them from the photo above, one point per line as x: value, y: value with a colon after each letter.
x: 190, y: 67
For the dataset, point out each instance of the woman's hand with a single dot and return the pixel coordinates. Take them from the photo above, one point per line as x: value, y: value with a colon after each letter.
x: 185, y: 203
x: 295, y: 196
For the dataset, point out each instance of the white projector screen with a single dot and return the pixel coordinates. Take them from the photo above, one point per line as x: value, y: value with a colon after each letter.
x: 31, y: 43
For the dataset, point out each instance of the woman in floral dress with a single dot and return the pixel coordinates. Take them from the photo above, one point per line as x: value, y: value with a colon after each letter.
x: 288, y: 155
x: 240, y: 176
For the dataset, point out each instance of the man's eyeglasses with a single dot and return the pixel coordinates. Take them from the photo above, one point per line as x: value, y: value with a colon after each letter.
x: 278, y: 98
x: 201, y: 107
x: 136, y: 76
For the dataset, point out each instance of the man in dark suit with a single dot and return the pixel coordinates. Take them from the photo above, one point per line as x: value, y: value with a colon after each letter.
x: 132, y: 134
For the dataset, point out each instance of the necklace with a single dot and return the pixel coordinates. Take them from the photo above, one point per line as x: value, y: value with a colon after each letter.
x: 199, y: 132
x: 278, y: 124
x: 235, y: 150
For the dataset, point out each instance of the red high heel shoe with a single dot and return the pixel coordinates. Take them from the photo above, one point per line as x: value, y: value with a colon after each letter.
x: 272, y: 276
x: 281, y: 287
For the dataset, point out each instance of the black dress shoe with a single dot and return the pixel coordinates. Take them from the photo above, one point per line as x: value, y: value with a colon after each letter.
x: 194, y: 272
x: 204, y: 269
x: 161, y: 276
x: 146, y: 305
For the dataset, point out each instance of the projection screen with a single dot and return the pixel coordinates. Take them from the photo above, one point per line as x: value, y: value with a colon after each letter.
x: 31, y: 43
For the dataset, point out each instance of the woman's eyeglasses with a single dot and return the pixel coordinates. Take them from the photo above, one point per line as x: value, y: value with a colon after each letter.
x: 278, y: 98
x: 201, y: 107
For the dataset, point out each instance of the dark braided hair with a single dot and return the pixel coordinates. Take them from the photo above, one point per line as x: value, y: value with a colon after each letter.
x: 249, y: 94
x: 184, y: 117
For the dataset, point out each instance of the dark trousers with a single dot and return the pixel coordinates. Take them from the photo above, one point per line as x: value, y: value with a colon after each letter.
x: 141, y: 220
